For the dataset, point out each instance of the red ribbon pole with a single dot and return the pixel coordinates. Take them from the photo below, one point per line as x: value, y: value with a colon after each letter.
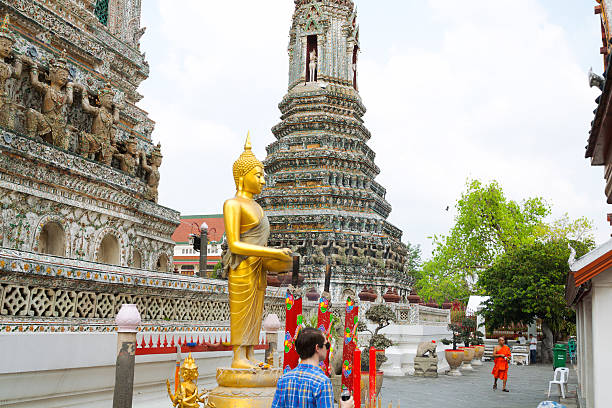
x: 324, y: 324
x: 293, y: 321
x: 372, y: 377
x: 357, y: 377
x: 350, y: 342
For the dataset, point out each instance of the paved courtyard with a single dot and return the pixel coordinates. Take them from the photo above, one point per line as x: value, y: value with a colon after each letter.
x: 528, y: 386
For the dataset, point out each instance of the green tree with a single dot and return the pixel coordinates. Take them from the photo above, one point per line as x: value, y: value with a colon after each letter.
x: 487, y: 225
x: 413, y: 258
x: 529, y: 283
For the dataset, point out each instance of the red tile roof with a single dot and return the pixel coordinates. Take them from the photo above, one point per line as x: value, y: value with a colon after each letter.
x: 190, y: 224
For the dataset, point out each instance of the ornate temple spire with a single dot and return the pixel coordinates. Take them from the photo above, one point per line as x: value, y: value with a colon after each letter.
x: 321, y: 194
x: 324, y: 43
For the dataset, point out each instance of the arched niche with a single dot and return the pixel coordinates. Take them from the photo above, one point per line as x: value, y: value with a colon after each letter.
x: 109, y: 252
x: 162, y: 263
x: 52, y: 239
x: 136, y: 259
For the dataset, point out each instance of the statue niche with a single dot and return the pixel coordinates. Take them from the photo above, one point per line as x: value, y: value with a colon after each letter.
x: 99, y: 144
x: 10, y: 67
x: 312, y: 58
x: 51, y: 123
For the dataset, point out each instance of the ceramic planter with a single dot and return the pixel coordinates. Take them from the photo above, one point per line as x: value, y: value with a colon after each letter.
x: 478, y: 353
x: 468, y: 356
x: 454, y: 358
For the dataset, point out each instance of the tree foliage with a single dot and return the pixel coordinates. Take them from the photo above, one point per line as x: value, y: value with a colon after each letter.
x: 529, y: 283
x: 487, y: 225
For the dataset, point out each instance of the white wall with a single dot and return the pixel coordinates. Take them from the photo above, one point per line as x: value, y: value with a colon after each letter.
x: 602, y: 335
x: 76, y: 369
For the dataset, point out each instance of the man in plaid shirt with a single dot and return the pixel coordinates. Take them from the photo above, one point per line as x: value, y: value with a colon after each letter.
x: 307, y: 386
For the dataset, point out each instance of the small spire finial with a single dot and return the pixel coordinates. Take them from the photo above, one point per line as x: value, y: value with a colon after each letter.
x: 247, y: 144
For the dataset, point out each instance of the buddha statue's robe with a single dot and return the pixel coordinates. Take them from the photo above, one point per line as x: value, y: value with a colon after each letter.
x: 247, y: 287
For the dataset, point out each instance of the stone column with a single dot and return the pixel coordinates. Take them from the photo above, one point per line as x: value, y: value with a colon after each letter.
x: 271, y: 325
x: 203, y: 250
x: 128, y: 320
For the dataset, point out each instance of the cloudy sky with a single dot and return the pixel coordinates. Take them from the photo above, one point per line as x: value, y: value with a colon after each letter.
x: 454, y: 90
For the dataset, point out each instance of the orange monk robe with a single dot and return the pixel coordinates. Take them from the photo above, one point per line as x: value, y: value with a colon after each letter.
x: 500, y: 369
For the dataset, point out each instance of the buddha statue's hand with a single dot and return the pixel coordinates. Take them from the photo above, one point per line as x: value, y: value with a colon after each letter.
x: 284, y: 255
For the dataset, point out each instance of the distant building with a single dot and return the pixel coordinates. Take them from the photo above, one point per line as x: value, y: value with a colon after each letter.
x: 186, y: 259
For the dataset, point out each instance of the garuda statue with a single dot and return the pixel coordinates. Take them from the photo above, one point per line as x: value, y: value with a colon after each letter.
x: 186, y: 393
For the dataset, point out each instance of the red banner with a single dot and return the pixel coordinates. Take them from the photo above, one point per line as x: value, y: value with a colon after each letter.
x: 293, y: 323
x: 323, y: 323
x: 350, y: 342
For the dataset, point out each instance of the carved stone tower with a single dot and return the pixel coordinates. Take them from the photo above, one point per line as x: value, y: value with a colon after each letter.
x: 321, y: 196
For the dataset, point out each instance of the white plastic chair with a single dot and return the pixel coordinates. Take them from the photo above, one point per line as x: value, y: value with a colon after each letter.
x: 561, y: 377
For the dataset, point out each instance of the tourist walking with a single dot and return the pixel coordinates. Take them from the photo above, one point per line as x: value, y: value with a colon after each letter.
x: 533, y: 349
x: 501, y: 354
x: 307, y: 386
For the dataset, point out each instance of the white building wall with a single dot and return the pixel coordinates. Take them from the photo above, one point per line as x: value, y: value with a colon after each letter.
x: 54, y: 370
x: 602, y: 334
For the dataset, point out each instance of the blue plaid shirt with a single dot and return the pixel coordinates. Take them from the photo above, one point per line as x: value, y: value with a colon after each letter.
x: 306, y: 386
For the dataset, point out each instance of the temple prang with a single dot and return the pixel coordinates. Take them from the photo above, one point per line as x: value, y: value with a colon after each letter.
x: 321, y: 194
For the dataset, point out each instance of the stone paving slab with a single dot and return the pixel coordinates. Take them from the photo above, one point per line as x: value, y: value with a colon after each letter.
x: 528, y: 386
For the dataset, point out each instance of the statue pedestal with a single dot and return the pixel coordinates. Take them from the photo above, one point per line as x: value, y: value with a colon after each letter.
x: 244, y: 388
x: 426, y: 367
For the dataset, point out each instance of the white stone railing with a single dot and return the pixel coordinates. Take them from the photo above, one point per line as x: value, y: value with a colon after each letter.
x: 48, y: 293
x: 406, y: 314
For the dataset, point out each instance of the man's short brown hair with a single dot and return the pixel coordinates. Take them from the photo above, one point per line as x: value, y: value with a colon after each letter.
x: 306, y: 342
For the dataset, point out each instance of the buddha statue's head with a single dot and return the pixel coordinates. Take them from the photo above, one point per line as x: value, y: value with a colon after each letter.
x: 189, y: 369
x: 248, y: 171
x: 7, y: 38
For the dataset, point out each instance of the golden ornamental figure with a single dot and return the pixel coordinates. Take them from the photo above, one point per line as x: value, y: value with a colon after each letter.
x: 186, y: 393
x: 248, y: 258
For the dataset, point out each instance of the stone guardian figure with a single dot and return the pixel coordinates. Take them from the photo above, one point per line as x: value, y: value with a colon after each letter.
x: 248, y: 259
x: 128, y: 161
x: 8, y: 70
x: 152, y: 171
x: 51, y: 123
x: 100, y: 143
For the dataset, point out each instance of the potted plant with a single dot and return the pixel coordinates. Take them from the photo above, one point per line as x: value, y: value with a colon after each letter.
x: 382, y: 316
x: 454, y: 356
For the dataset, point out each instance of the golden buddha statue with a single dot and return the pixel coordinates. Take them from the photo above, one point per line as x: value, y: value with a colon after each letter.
x: 248, y: 258
x: 186, y: 395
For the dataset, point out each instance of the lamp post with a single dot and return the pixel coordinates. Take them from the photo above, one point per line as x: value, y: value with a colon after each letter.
x: 203, y: 249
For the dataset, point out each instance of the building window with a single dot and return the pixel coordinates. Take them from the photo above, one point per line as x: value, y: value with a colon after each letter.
x: 51, y: 240
x: 162, y: 263
x: 136, y: 260
x: 101, y: 11
x: 108, y: 252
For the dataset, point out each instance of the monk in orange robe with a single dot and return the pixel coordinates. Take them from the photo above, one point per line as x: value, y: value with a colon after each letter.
x: 501, y: 354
